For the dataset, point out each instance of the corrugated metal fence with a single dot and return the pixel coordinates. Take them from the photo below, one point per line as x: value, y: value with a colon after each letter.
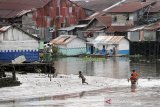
x: 146, y: 48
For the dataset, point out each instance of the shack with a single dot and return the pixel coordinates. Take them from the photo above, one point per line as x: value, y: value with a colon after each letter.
x: 69, y: 45
x: 109, y: 45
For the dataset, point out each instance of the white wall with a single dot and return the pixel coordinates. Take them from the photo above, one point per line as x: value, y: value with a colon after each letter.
x: 76, y: 43
x: 133, y: 16
x: 123, y: 44
x: 19, y: 45
x: 100, y: 46
x: 14, y: 39
x: 13, y: 34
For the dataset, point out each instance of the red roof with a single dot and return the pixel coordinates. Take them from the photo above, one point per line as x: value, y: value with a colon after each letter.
x: 96, y: 5
x: 156, y: 7
x: 96, y: 28
x: 105, y: 20
x: 113, y: 29
x: 129, y: 7
x: 9, y: 8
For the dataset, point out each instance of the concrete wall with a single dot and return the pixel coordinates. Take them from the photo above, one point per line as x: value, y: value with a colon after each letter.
x: 150, y: 35
x: 28, y: 23
x: 123, y: 47
x: 121, y: 19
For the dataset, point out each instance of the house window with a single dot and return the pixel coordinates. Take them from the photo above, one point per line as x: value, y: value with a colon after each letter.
x: 127, y: 17
x: 115, y: 19
x: 70, y: 10
x: 62, y: 24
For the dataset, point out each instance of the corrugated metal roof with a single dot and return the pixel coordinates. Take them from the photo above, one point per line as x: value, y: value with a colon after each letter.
x: 113, y: 29
x: 154, y: 26
x: 96, y: 5
x: 67, y: 28
x: 22, y: 13
x: 96, y: 28
x: 129, y: 7
x: 4, y: 28
x: 10, y: 8
x: 155, y: 7
x: 107, y: 39
x: 73, y: 27
x: 62, y: 39
x: 105, y: 20
x: 136, y: 28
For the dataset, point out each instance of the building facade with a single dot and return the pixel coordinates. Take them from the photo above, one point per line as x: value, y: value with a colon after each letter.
x: 55, y: 15
x: 15, y: 42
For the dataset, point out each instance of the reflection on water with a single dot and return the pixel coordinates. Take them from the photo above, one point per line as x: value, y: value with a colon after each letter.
x: 120, y: 97
x: 114, y: 67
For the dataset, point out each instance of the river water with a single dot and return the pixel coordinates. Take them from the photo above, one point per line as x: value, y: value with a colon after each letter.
x: 114, y: 70
x: 114, y: 67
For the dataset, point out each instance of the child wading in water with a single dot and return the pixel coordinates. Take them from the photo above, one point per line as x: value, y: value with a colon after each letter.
x: 82, y: 77
x: 133, y: 83
x: 134, y: 80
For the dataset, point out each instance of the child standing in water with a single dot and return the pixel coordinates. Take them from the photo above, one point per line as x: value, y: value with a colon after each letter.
x: 135, y: 74
x: 82, y: 77
x: 133, y: 82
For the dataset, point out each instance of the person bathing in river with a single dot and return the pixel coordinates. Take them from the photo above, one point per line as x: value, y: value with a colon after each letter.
x: 82, y: 77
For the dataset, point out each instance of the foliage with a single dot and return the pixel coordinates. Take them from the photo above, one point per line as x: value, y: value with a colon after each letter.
x: 42, y: 56
x: 55, y: 50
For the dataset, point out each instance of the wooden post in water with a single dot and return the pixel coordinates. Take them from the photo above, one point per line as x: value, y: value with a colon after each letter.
x: 14, y: 73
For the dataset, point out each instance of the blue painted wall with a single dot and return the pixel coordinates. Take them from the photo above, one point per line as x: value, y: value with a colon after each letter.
x: 30, y: 55
x: 123, y: 52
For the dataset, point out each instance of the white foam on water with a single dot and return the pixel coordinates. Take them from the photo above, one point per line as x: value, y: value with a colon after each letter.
x: 37, y: 85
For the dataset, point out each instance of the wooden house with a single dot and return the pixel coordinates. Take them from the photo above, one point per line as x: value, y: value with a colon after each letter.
x: 15, y: 42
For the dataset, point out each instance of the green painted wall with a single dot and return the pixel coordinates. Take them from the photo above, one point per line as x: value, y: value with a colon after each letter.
x: 72, y: 51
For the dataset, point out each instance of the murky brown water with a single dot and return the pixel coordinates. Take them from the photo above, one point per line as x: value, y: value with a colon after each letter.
x: 118, y: 67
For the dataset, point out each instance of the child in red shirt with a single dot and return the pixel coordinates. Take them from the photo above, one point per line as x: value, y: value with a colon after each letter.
x: 133, y: 82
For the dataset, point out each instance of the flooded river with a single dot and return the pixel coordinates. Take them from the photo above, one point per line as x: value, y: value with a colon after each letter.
x: 108, y: 85
x: 118, y: 67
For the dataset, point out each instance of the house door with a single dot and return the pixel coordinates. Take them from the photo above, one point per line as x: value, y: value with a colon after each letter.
x: 92, y: 49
